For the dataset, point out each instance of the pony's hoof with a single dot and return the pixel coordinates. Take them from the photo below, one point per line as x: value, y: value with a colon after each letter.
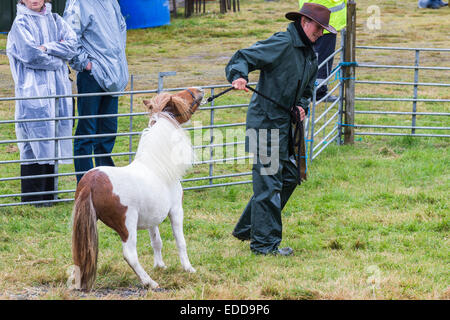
x: 190, y: 269
x: 150, y: 283
x: 160, y: 266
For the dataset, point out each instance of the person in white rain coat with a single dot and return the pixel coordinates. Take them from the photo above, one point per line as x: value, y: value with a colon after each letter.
x: 102, y: 67
x: 38, y: 46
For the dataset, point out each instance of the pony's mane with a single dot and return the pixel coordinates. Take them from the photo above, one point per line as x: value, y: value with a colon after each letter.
x: 165, y: 148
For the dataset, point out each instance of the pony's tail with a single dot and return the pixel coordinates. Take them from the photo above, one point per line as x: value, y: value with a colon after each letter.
x: 84, y: 241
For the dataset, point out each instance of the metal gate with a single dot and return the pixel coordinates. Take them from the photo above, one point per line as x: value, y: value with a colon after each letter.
x: 414, y: 113
x: 224, y: 162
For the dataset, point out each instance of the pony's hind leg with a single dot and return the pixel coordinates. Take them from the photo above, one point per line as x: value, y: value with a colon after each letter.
x: 157, y: 246
x: 176, y: 219
x: 130, y: 252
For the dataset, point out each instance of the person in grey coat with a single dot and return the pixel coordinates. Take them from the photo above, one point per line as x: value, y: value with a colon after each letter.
x: 39, y: 45
x: 102, y: 67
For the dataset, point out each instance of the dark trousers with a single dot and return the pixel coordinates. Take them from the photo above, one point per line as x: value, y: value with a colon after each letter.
x: 324, y: 46
x: 261, y: 220
x: 37, y: 184
x: 94, y: 106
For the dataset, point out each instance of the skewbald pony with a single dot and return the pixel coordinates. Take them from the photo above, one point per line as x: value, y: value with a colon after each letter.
x: 146, y: 191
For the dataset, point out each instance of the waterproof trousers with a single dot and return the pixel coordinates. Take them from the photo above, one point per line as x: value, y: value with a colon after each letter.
x: 324, y: 47
x: 261, y: 220
x: 87, y: 106
x: 29, y: 185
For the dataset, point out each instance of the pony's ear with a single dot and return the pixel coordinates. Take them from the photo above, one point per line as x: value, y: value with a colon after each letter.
x: 148, y: 104
x: 178, y: 102
x: 158, y: 102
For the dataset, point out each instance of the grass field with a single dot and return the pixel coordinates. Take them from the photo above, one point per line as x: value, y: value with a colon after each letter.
x: 371, y: 222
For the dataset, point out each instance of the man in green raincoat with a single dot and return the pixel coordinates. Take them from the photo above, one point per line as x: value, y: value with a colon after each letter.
x: 288, y: 70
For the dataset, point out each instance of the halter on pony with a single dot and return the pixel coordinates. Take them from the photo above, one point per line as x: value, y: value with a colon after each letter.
x: 194, y: 102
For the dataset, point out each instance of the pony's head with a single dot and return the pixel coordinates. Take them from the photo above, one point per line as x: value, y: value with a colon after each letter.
x: 165, y: 148
x: 181, y: 105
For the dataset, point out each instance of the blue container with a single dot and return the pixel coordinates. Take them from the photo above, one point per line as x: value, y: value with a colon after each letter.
x: 145, y: 13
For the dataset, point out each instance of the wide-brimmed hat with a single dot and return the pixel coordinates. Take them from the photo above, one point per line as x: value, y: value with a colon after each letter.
x: 316, y: 12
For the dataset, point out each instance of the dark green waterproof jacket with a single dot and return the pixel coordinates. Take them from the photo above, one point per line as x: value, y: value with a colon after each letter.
x: 288, y: 72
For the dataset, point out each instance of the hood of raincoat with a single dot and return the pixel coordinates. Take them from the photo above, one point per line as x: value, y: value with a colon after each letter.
x: 22, y: 9
x: 102, y: 34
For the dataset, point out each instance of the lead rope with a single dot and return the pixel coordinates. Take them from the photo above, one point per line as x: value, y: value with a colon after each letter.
x: 298, y: 138
x: 218, y: 95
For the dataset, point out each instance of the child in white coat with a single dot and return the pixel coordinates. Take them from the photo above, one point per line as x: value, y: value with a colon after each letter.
x: 38, y: 47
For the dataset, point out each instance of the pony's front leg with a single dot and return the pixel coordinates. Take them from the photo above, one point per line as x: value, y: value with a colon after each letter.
x: 176, y: 219
x: 130, y: 252
x: 157, y: 246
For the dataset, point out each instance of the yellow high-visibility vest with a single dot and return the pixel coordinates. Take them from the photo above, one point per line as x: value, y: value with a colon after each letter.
x: 338, y: 17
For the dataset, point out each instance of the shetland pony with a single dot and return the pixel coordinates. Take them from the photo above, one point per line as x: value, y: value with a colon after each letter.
x: 140, y: 195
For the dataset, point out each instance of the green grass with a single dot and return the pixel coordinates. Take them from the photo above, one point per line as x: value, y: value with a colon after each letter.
x: 383, y: 205
x: 371, y: 221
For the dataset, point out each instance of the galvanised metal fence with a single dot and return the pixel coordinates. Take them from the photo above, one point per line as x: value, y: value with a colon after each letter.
x: 210, y: 129
x: 326, y: 122
x: 382, y: 109
x: 235, y: 167
x: 322, y: 127
x: 323, y: 123
x: 210, y: 177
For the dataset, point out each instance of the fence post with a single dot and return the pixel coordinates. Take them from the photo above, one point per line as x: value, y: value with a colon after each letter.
x: 130, y: 146
x: 188, y: 8
x: 56, y: 168
x: 349, y: 73
x: 341, y: 90
x: 174, y: 8
x: 311, y: 125
x: 416, y: 80
x: 161, y: 76
x: 223, y: 6
x: 211, y: 140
